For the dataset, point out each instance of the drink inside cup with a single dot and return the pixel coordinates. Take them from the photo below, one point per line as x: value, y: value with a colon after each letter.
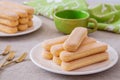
x: 72, y: 14
x: 67, y: 20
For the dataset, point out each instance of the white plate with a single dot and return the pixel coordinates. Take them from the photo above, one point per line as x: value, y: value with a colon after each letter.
x: 37, y: 59
x: 36, y: 25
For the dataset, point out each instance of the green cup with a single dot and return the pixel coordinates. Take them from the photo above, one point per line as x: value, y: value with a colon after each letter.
x: 67, y: 20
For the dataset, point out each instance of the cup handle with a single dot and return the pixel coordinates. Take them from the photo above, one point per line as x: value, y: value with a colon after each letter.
x: 92, y: 20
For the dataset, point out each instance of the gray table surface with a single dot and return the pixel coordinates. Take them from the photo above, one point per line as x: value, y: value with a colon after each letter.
x: 28, y: 71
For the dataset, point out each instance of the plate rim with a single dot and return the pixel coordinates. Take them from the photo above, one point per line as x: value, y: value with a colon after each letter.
x: 74, y: 73
x: 25, y: 32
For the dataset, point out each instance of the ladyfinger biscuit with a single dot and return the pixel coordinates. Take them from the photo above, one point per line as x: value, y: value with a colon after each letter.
x: 88, y: 40
x: 30, y: 17
x: 8, y: 15
x: 57, y: 60
x: 29, y: 9
x: 47, y: 55
x: 56, y: 49
x: 84, y: 61
x: 48, y: 43
x: 23, y: 20
x: 30, y: 23
x: 22, y: 27
x: 11, y: 23
x: 83, y: 51
x: 22, y: 13
x: 75, y: 39
x: 8, y: 29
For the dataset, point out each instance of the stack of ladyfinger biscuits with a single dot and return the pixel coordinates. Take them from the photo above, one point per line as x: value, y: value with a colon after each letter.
x: 75, y: 50
x: 15, y: 17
